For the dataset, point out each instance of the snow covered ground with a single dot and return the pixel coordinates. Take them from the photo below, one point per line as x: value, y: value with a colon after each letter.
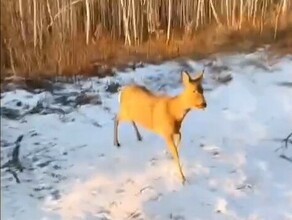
x: 71, y: 169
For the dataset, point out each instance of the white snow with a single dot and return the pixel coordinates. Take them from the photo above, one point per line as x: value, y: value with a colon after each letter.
x: 227, y: 151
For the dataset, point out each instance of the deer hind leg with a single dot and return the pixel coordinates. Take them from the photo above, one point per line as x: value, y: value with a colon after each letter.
x: 138, y: 135
x: 116, y: 125
x: 173, y: 151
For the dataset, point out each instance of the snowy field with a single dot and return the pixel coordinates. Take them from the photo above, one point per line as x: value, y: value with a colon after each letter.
x: 72, y: 170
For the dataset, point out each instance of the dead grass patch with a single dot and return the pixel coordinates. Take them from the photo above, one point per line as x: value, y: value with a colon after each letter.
x: 97, y: 59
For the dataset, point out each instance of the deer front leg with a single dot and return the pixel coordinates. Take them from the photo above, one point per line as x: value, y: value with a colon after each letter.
x: 116, y: 125
x: 173, y: 151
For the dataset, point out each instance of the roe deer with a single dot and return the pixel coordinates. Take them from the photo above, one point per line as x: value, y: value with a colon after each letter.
x: 161, y: 114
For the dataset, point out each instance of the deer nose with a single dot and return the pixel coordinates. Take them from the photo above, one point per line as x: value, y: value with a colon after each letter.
x: 204, y: 105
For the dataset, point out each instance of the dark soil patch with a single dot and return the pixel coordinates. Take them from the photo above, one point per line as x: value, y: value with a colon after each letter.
x: 113, y: 87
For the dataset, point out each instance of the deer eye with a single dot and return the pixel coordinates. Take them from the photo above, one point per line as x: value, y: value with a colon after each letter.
x: 195, y: 91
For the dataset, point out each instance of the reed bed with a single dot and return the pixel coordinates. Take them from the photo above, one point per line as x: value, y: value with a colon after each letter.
x: 64, y: 36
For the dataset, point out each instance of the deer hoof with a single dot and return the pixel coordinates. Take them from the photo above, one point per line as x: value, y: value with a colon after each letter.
x: 117, y: 144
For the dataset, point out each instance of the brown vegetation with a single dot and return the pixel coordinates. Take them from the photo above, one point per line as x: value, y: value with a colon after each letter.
x: 55, y: 37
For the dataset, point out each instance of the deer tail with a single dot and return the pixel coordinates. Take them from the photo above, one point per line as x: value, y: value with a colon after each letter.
x: 120, y: 95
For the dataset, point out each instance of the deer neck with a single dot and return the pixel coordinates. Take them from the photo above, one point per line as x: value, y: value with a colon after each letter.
x: 178, y: 109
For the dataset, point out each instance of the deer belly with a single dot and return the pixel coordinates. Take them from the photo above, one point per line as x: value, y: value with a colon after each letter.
x: 142, y: 116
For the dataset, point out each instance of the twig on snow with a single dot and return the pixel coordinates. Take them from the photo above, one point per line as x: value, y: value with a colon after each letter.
x: 286, y: 141
x: 14, y: 164
x: 289, y: 159
x: 14, y: 174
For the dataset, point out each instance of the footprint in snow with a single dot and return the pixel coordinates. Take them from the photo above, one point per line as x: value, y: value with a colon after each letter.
x: 213, y: 150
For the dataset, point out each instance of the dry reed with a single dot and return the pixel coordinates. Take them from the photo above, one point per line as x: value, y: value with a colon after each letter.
x: 64, y: 36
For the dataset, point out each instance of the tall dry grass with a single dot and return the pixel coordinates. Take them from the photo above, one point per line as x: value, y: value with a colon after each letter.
x: 64, y: 36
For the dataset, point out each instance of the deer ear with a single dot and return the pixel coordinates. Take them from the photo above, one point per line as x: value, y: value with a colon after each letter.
x: 199, y: 77
x: 185, y: 77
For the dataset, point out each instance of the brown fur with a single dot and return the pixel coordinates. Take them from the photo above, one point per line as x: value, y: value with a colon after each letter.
x: 160, y: 113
